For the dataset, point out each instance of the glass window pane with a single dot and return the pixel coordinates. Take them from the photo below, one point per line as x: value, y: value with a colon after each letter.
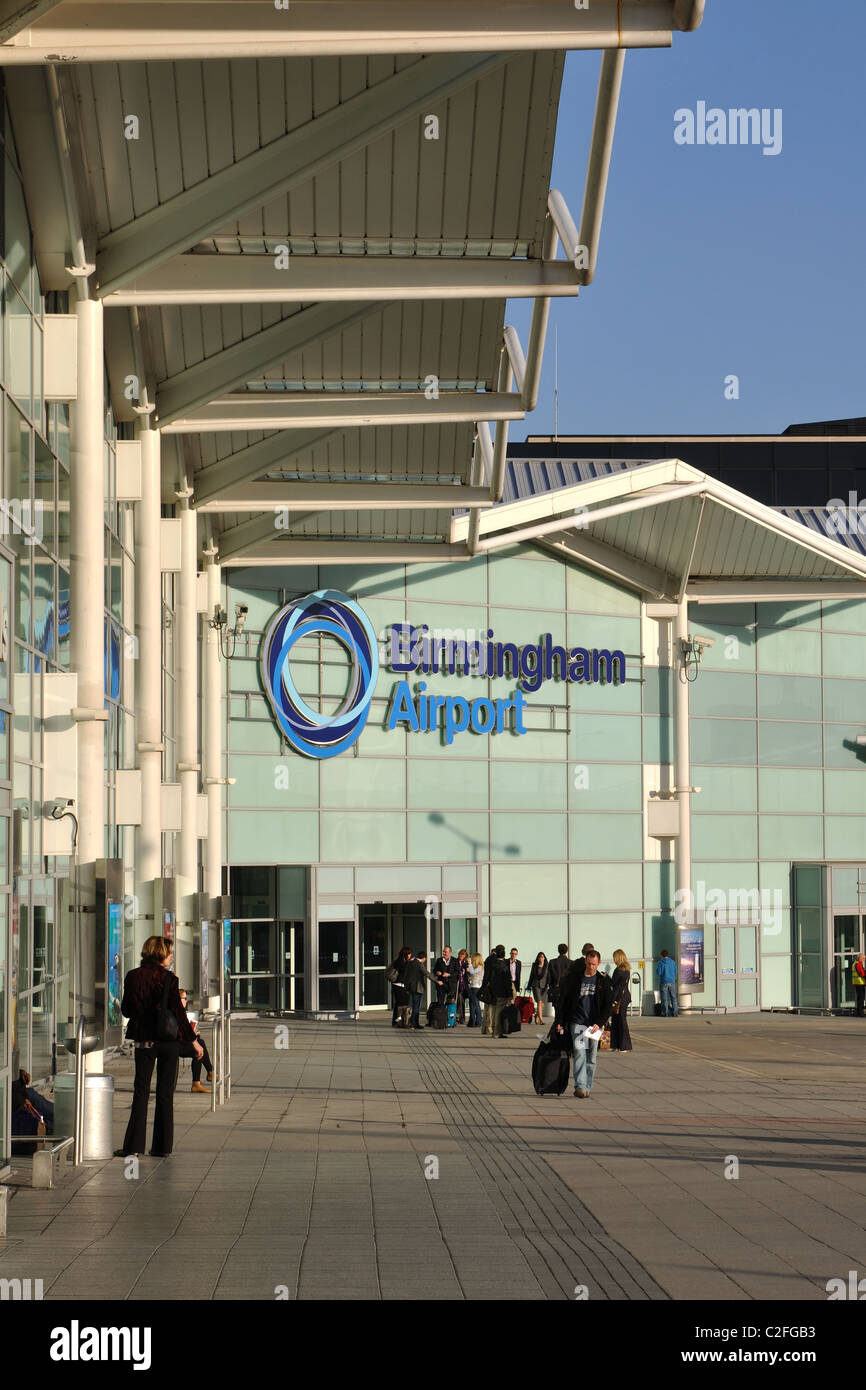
x: 63, y: 625
x: 252, y: 892
x: 44, y: 610
x: 748, y: 993
x: 44, y: 490
x: 63, y: 515
x: 727, y: 950
x: 18, y: 327
x: 336, y: 948
x: 38, y: 403
x: 337, y: 993
x: 5, y: 635
x: 748, y: 950
x: 17, y: 231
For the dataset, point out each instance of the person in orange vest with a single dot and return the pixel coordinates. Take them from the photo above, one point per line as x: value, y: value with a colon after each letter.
x: 858, y: 980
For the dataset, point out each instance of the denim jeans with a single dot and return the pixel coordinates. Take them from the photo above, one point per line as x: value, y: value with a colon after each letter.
x: 669, y: 998
x: 474, y: 1009
x: 416, y: 1010
x: 585, y: 1054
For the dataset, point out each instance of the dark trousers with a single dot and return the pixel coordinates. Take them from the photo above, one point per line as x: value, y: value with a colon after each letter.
x: 186, y: 1050
x: 474, y: 1008
x: 165, y: 1055
x: 860, y: 996
x: 414, y: 1021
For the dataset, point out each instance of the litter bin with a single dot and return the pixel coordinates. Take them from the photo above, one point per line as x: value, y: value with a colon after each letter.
x: 96, y: 1140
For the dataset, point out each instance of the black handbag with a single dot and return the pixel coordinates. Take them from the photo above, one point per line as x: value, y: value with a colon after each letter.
x: 167, y: 1028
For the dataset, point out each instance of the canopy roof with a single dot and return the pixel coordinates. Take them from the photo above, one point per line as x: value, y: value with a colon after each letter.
x: 304, y: 223
x: 670, y: 531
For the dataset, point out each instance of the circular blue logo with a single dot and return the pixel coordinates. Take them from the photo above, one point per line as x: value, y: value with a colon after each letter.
x: 327, y: 611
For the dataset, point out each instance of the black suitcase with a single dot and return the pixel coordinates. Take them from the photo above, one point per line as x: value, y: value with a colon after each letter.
x: 509, y: 1020
x: 551, y: 1066
x: 437, y: 1016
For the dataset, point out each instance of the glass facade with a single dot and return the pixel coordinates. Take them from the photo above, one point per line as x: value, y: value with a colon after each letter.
x: 555, y: 819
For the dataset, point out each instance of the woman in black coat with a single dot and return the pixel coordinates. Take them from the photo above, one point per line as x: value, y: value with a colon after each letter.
x: 620, y: 1038
x: 538, y: 984
x: 400, y: 993
x: 143, y: 992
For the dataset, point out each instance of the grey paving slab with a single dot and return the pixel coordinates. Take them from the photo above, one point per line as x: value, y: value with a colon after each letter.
x: 304, y: 1180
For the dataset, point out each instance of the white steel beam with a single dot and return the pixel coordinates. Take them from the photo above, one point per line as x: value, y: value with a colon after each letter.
x: 261, y: 410
x: 245, y: 465
x: 198, y: 385
x: 283, y: 164
x: 195, y: 29
x: 16, y: 15
x: 349, y: 552
x: 601, y: 149
x: 254, y: 279
x: 336, y: 496
x: 624, y: 569
x: 635, y: 503
x: 249, y: 535
x: 772, y: 590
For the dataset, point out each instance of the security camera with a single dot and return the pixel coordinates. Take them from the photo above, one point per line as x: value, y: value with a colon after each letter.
x: 241, y: 611
x: 702, y: 642
x: 59, y: 806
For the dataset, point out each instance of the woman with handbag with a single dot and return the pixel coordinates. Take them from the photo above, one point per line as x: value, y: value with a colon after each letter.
x: 539, y: 984
x: 474, y: 979
x: 157, y: 1025
x: 400, y: 995
x: 620, y: 1038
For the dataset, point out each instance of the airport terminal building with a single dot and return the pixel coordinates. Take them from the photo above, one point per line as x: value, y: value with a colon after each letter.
x: 297, y: 665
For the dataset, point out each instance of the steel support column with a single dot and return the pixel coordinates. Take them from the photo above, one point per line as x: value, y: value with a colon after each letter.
x: 87, y: 582
x: 148, y: 682
x: 187, y: 695
x: 682, y: 760
x: 213, y: 738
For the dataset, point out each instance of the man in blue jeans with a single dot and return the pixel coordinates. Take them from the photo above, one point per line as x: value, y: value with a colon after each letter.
x: 667, y: 973
x: 583, y: 1010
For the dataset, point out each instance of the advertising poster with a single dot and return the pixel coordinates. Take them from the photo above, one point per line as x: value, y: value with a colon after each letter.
x: 168, y: 925
x: 692, y: 956
x: 115, y: 956
x: 227, y: 945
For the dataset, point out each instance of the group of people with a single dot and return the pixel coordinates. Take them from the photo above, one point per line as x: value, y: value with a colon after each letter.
x: 585, y: 999
x: 151, y: 994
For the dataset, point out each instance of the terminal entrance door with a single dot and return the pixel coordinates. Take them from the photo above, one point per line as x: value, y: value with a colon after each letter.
x: 848, y: 930
x: 384, y: 928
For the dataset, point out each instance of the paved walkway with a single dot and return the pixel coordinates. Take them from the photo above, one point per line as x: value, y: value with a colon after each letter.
x: 313, y: 1179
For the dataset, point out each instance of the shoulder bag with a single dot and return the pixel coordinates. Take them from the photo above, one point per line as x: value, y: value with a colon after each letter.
x: 167, y: 1029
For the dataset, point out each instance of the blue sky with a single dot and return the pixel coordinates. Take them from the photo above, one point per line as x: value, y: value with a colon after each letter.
x: 719, y: 259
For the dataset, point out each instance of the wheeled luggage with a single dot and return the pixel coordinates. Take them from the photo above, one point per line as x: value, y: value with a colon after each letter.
x: 451, y: 1010
x: 509, y: 1020
x: 525, y: 1007
x: 437, y: 1016
x: 551, y: 1066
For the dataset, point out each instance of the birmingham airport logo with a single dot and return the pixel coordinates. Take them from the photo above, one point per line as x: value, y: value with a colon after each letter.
x: 332, y: 614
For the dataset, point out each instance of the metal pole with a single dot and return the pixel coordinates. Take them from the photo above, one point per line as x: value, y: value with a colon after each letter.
x: 77, y: 1155
x: 213, y: 715
x: 148, y: 677
x: 228, y: 1055
x: 87, y: 584
x: 187, y: 697
x: 215, y: 1060
x: 682, y: 765
x: 598, y: 168
x: 222, y: 1040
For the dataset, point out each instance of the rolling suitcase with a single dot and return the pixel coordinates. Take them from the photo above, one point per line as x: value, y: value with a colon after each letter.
x: 451, y: 1011
x: 550, y: 1069
x: 525, y: 1007
x: 437, y: 1016
x: 510, y: 1020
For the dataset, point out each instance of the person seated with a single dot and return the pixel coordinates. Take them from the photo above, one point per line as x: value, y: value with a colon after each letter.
x: 187, y: 1049
x: 32, y: 1114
